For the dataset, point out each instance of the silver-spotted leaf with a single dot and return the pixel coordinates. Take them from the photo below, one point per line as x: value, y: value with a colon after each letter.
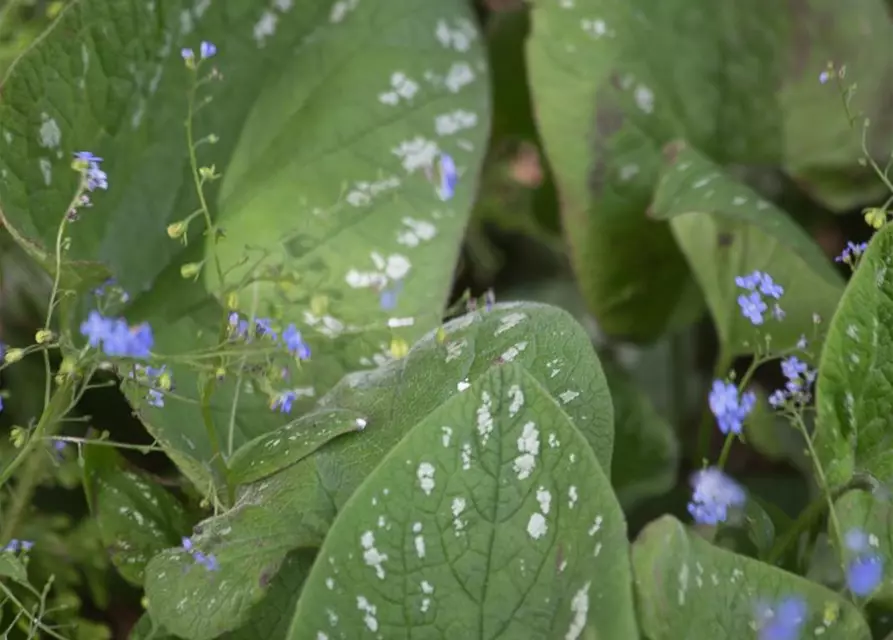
x: 492, y: 518
x: 726, y: 230
x: 295, y: 507
x: 278, y: 449
x: 854, y: 390
x: 136, y: 516
x: 688, y: 588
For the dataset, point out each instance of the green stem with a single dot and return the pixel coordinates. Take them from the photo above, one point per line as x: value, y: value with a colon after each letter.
x: 803, y: 522
x: 726, y: 448
x: 59, y: 405
x: 35, y: 621
x: 823, y: 481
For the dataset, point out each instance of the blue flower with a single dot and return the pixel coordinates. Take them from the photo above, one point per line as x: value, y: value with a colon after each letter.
x: 265, y: 327
x: 284, y: 401
x: 15, y: 546
x: 851, y: 252
x: 864, y: 574
x: 95, y: 328
x: 208, y: 561
x: 865, y: 570
x: 757, y: 285
x: 799, y: 378
x: 448, y: 177
x: 752, y: 307
x: 96, y: 178
x: 768, y: 287
x: 388, y: 297
x: 187, y: 54
x: 714, y: 494
x: 207, y: 50
x: 729, y: 409
x: 86, y: 156
x: 155, y: 398
x: 824, y: 76
x: 793, y: 367
x: 294, y: 342
x: 116, y: 338
x: 782, y: 622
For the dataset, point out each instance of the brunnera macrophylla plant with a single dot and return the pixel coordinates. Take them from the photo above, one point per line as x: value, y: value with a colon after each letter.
x: 458, y: 483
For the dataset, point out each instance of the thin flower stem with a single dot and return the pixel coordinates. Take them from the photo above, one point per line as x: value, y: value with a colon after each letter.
x: 207, y: 390
x: 823, y: 481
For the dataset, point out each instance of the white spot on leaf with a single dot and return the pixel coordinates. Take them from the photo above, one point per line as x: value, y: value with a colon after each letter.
x: 425, y: 474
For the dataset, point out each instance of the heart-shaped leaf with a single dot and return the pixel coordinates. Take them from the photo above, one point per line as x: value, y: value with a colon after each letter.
x: 295, y: 507
x: 854, y: 390
x: 684, y: 583
x: 726, y: 230
x: 491, y: 518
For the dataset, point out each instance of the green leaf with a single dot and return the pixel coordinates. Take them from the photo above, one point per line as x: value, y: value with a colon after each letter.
x: 136, y: 517
x: 726, y: 230
x: 270, y: 618
x: 294, y: 508
x: 646, y: 455
x: 492, y: 532
x: 333, y: 159
x: 276, y: 450
x: 317, y: 121
x: 873, y: 514
x: 125, y: 99
x: 637, y: 76
x: 12, y: 567
x: 684, y: 583
x: 854, y: 398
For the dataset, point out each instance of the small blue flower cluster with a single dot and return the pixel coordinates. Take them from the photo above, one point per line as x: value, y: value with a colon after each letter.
x: 753, y: 304
x: 152, y: 377
x: 781, y: 621
x: 95, y: 177
x: 206, y: 50
x: 118, y: 340
x: 284, y: 401
x: 291, y: 337
x: 714, y: 495
x: 729, y: 409
x: 208, y: 561
x: 865, y: 571
x: 15, y: 546
x: 796, y: 389
x: 851, y: 253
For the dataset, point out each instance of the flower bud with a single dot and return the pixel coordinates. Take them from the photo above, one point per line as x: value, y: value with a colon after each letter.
x: 191, y: 270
